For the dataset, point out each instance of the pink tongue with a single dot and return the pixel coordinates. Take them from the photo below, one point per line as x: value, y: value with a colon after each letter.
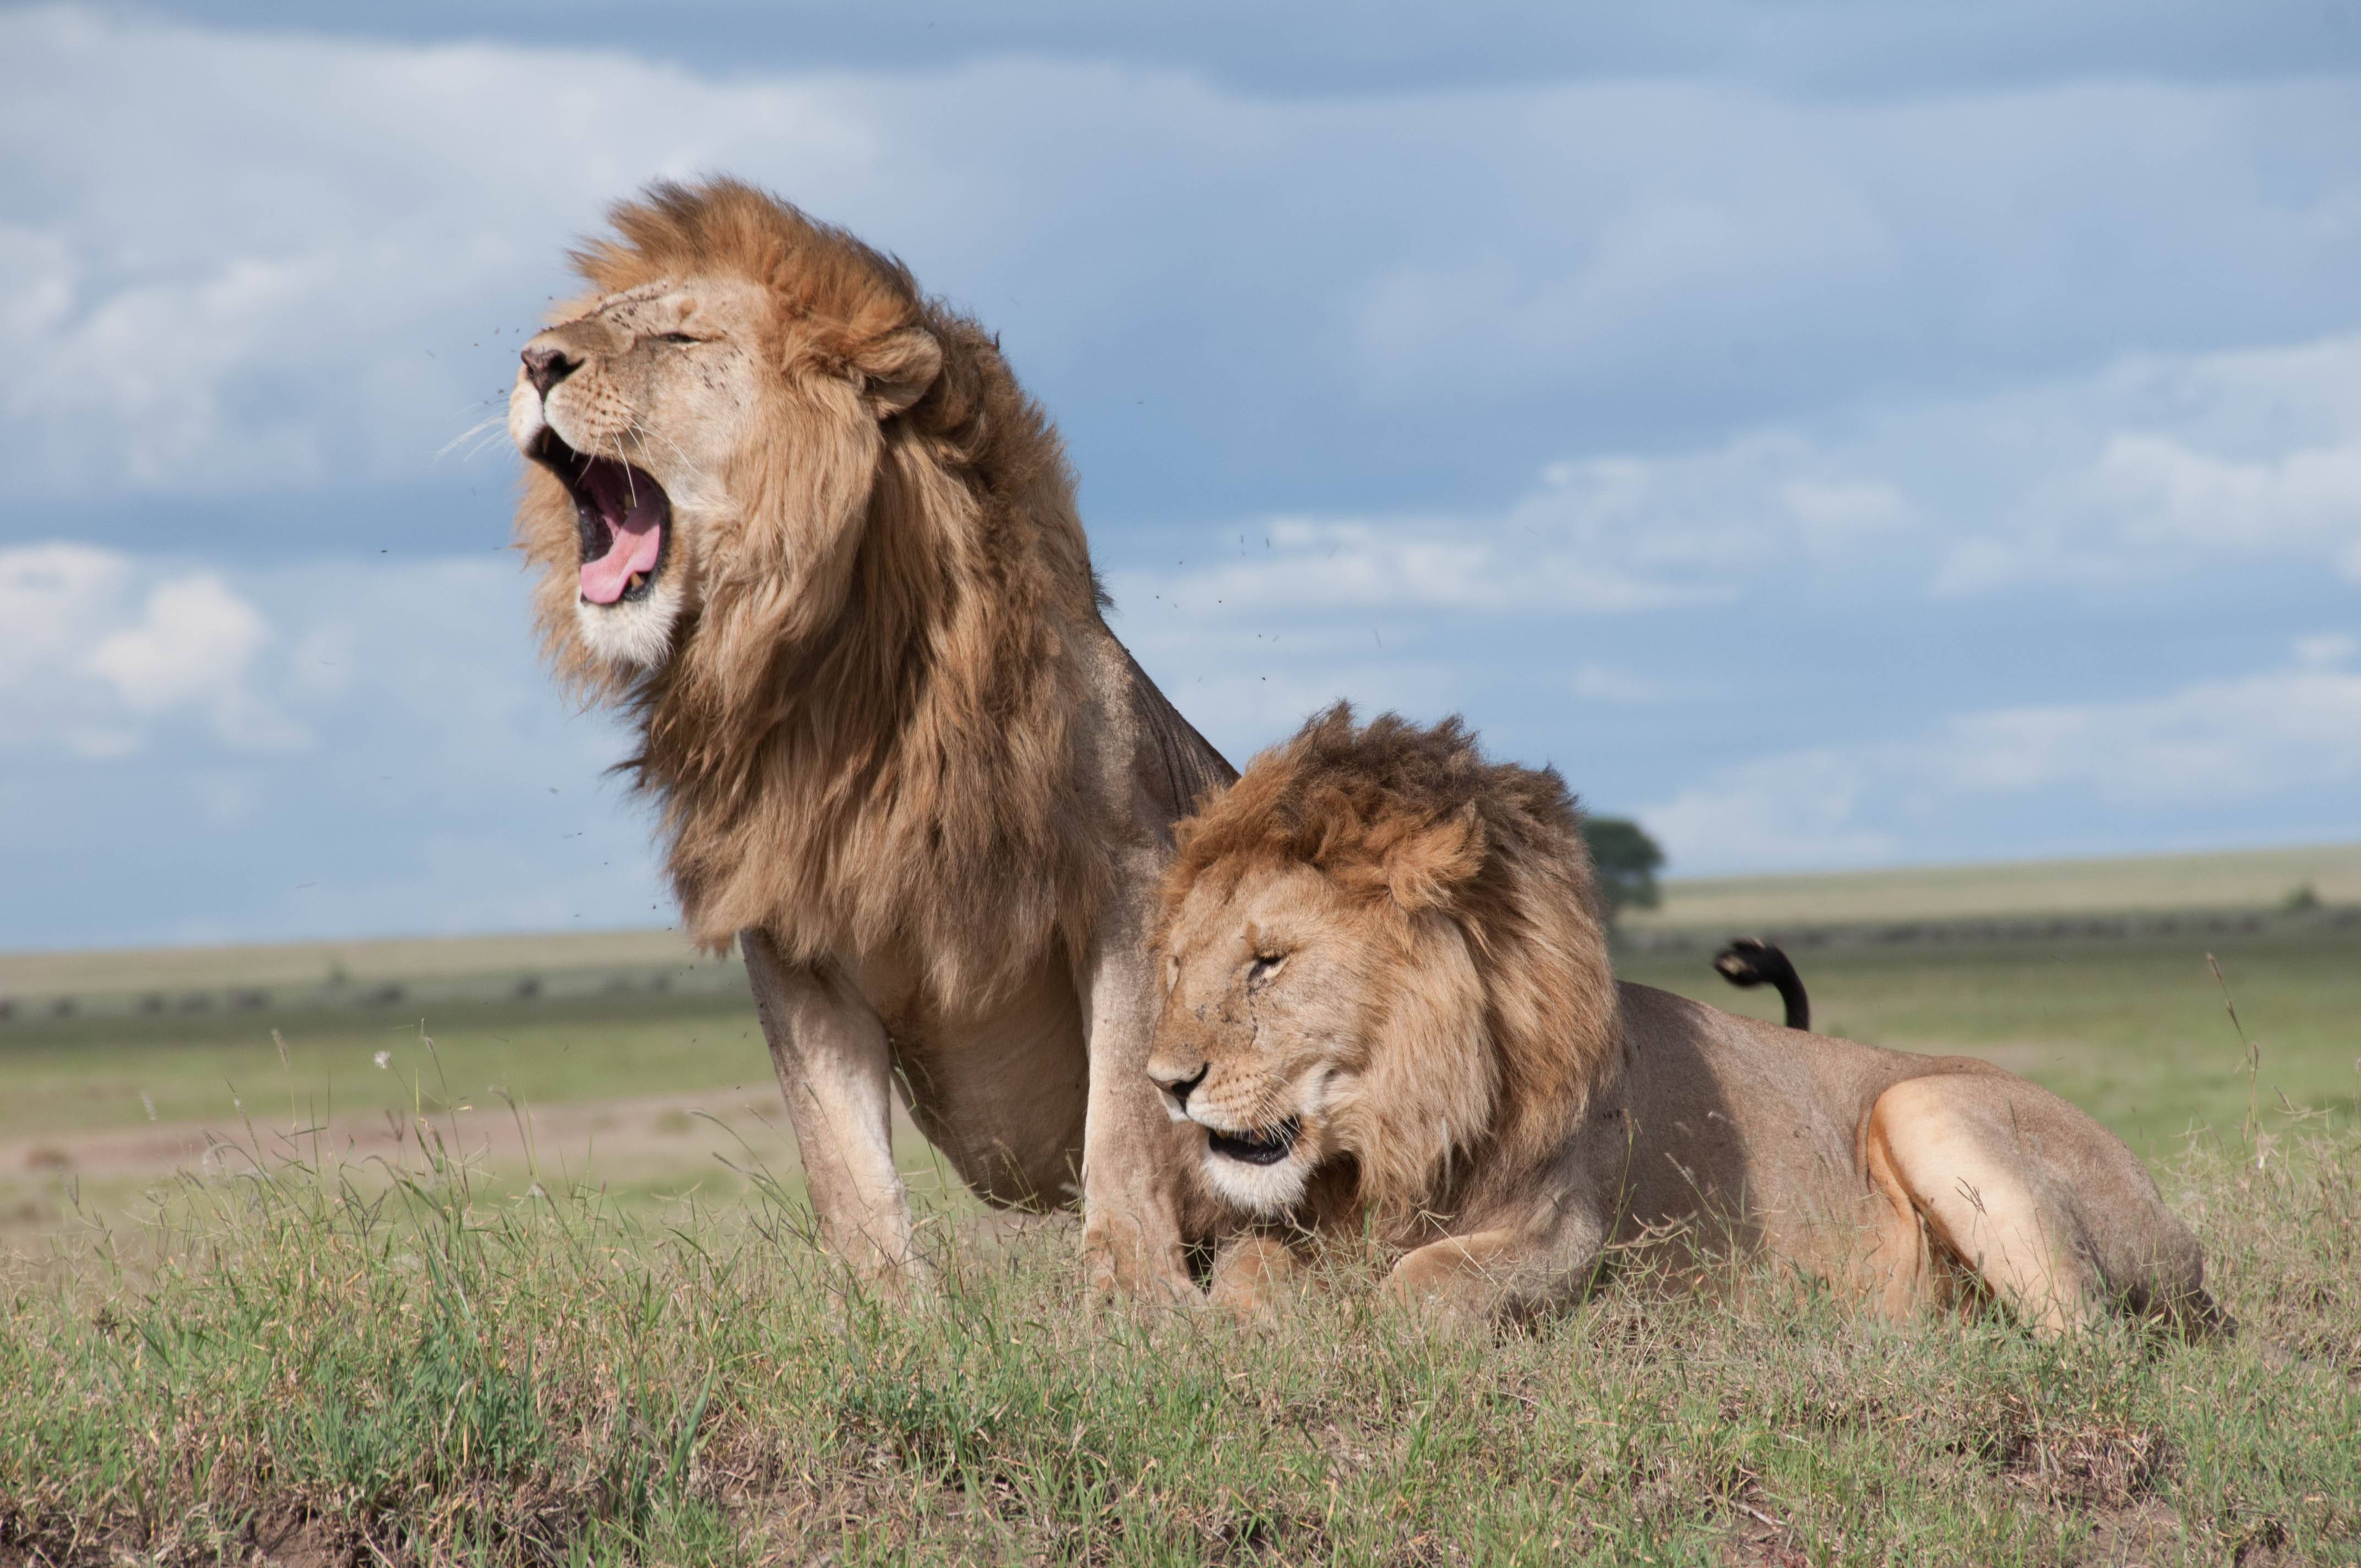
x: 637, y: 539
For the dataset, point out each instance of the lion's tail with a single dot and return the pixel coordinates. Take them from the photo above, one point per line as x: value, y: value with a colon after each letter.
x: 1750, y: 962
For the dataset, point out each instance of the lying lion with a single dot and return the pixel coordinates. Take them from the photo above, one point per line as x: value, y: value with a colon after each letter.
x: 1388, y: 1005
x: 799, y: 522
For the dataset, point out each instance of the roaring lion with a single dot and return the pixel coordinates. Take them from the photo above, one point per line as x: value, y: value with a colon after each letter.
x: 1388, y: 1008
x: 800, y: 523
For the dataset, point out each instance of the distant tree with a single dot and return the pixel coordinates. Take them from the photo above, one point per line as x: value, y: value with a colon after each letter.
x: 1626, y: 861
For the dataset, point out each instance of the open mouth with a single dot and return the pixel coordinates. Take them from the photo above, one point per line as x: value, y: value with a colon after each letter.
x: 1255, y: 1148
x: 621, y: 513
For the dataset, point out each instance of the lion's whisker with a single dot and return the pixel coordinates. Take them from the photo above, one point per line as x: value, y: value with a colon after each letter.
x: 631, y: 433
x: 694, y: 468
x: 476, y: 429
x: 643, y: 432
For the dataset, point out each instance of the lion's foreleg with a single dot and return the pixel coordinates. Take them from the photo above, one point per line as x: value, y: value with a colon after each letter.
x: 1471, y: 1276
x: 835, y: 1067
x: 1131, y: 1223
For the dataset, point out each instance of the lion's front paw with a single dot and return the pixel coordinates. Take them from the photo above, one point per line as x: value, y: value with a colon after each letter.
x: 1253, y: 1275
x: 1444, y: 1281
x: 1428, y: 1271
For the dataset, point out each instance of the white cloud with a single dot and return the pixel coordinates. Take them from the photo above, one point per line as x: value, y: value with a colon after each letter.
x: 278, y: 252
x: 246, y: 261
x: 1841, y: 513
x: 48, y: 595
x: 2159, y: 466
x: 2326, y: 649
x: 88, y: 663
x: 2167, y: 489
x: 194, y: 638
x: 309, y: 749
x: 1797, y: 810
x: 1473, y: 565
x: 1595, y: 536
x: 2153, y: 468
x: 2217, y: 743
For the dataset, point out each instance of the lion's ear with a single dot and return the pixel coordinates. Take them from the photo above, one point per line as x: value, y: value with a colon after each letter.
x: 1423, y: 866
x: 897, y: 368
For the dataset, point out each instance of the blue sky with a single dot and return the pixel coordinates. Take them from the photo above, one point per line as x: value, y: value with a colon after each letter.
x: 1839, y: 434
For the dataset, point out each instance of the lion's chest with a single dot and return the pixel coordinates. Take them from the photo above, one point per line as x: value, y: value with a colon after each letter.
x: 1001, y: 1089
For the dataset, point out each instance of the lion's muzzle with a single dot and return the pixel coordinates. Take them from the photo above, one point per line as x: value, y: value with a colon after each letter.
x: 1253, y: 1148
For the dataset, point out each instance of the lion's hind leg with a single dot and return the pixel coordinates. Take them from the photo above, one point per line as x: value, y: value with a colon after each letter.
x: 1955, y: 1149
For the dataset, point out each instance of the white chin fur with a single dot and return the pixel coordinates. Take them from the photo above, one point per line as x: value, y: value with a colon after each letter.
x: 1267, y: 1190
x: 633, y: 633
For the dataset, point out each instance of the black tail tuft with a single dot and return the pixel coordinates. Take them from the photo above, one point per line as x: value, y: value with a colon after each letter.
x: 1750, y: 962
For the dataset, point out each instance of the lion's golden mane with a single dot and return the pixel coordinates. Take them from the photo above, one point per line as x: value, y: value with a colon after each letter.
x: 862, y: 732
x: 1412, y: 821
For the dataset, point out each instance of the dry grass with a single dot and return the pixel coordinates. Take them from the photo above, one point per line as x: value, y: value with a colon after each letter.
x: 2131, y: 1030
x: 415, y: 1359
x: 324, y: 1370
x: 2227, y: 879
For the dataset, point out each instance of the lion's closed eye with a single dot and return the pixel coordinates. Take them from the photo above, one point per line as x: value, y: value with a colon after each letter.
x: 1264, y: 966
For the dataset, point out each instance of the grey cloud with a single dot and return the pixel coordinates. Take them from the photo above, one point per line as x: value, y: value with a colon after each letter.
x: 2154, y: 469
x: 1358, y: 46
x: 1231, y: 302
x: 1708, y: 399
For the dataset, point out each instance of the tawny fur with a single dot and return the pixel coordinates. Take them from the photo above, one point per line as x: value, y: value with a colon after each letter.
x: 1420, y: 834
x: 862, y: 737
x: 899, y: 756
x: 1382, y: 941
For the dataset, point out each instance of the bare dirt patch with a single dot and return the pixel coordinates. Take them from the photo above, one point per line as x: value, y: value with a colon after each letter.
x: 633, y: 1137
x: 673, y: 1145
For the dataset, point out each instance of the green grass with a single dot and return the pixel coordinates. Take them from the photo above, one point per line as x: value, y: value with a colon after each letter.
x: 79, y: 1074
x: 2131, y: 1027
x: 417, y: 1360
x: 287, y: 1364
x: 2132, y: 1030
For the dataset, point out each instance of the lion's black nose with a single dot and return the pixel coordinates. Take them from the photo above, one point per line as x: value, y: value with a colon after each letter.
x: 1178, y: 1088
x: 545, y: 365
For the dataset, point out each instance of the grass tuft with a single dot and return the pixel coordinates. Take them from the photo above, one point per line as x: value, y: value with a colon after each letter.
x: 325, y: 1364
